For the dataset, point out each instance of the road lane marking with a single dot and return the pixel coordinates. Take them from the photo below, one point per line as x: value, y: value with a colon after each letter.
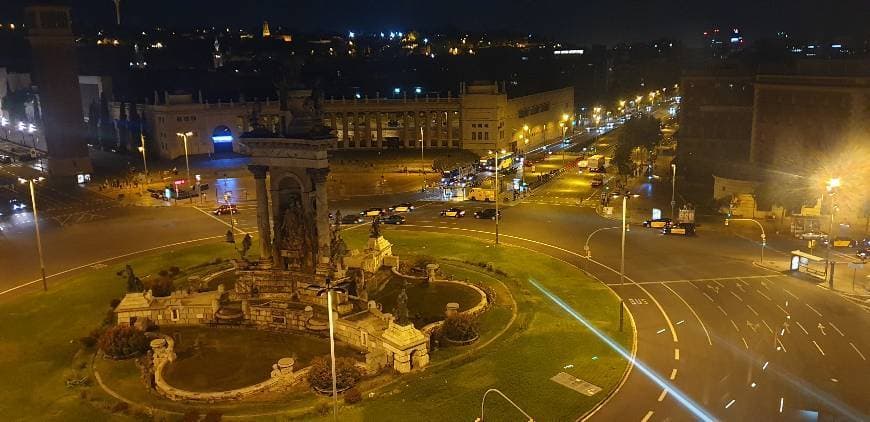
x: 745, y: 343
x: 790, y: 293
x: 575, y: 254
x: 814, y: 309
x: 781, y: 402
x: 723, y: 311
x: 663, y: 394
x: 856, y: 350
x: 676, y: 354
x: 753, y: 310
x: 101, y: 261
x: 735, y: 295
x: 734, y: 325
x: 661, y: 331
x: 648, y: 415
x: 692, y: 310
x: 236, y: 227
x: 708, y: 297
x: 835, y: 328
x: 768, y: 327
x: 802, y: 328
x: 820, y: 349
x: 730, y: 403
x: 782, y: 345
x: 782, y: 309
x: 674, y: 371
x: 765, y: 296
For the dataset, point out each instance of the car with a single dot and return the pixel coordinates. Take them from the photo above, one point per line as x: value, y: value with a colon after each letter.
x: 352, y: 219
x: 843, y: 242
x: 683, y: 229
x: 226, y: 209
x: 597, y: 170
x: 454, y: 212
x: 863, y: 253
x: 597, y: 181
x: 403, y: 207
x: 657, y: 223
x: 488, y: 213
x: 393, y: 219
x: 5, y: 159
x: 813, y: 236
x: 16, y: 205
x: 372, y: 212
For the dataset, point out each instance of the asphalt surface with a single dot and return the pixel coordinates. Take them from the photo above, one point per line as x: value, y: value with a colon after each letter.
x: 717, y: 336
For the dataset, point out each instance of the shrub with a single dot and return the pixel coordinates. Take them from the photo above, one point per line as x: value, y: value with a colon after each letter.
x: 160, y: 287
x: 114, y: 303
x: 191, y: 415
x: 212, y: 416
x: 323, y: 408
x: 109, y: 319
x: 352, y: 396
x: 173, y: 270
x: 320, y: 374
x: 459, y: 328
x: 163, y: 273
x: 120, y: 407
x: 123, y: 341
x: 88, y: 342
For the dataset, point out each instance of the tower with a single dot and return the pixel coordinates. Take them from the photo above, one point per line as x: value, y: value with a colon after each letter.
x: 54, y: 68
x: 266, y: 32
x: 118, y: 12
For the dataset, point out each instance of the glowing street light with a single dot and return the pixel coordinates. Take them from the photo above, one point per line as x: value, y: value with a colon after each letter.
x: 330, y: 287
x: 184, y: 136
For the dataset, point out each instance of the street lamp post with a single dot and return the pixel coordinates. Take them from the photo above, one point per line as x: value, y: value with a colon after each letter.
x: 763, y: 235
x: 186, y: 161
x: 422, y: 160
x: 497, y: 194
x: 328, y: 290
x: 831, y: 187
x: 142, y: 150
x: 673, y: 188
x: 625, y: 197
x: 31, y: 182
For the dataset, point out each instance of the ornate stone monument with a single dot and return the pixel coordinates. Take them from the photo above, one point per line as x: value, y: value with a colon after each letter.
x: 292, y: 213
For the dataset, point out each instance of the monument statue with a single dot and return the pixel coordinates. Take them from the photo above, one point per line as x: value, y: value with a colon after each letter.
x: 134, y: 284
x: 375, y: 231
x: 295, y: 239
x: 401, y: 312
x: 337, y: 246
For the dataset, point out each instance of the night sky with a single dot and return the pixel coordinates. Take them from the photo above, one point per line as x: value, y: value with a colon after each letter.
x: 582, y: 21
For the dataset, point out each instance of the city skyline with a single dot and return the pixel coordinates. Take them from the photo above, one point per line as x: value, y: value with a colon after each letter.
x: 593, y: 23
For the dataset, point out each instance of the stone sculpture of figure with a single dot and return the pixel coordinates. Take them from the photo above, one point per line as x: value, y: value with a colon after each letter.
x: 296, y: 237
x: 134, y: 284
x: 337, y: 247
x: 375, y: 231
x: 246, y: 244
x: 401, y: 313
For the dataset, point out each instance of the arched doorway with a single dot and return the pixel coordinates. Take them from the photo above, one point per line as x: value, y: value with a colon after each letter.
x: 222, y: 139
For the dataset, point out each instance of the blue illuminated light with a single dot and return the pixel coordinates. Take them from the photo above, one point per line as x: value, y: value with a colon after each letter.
x: 222, y: 138
x: 681, y: 397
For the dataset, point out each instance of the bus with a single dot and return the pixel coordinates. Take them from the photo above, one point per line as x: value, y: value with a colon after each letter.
x: 505, y: 161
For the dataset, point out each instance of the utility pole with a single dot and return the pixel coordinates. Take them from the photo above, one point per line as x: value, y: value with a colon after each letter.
x: 496, y: 197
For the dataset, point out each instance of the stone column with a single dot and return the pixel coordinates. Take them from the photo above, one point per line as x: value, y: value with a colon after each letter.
x: 318, y: 180
x: 406, y: 130
x: 449, y: 122
x: 263, y: 225
x: 344, y: 130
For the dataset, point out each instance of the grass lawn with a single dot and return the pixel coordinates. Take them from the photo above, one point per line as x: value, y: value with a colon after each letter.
x: 212, y: 359
x: 39, y: 350
x: 541, y: 343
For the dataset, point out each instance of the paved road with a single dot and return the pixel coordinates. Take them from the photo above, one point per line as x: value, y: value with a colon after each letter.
x: 737, y: 341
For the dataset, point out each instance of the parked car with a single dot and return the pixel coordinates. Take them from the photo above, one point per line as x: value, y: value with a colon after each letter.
x: 16, y: 205
x: 657, y: 223
x: 226, y: 209
x: 454, y: 212
x: 813, y: 236
x: 372, y: 212
x: 352, y: 219
x: 393, y: 219
x: 682, y: 229
x: 5, y: 159
x: 843, y: 242
x: 488, y: 213
x: 863, y: 253
x: 403, y: 207
x: 597, y: 181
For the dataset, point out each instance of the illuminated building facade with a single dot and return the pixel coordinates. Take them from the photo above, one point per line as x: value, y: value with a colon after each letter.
x: 482, y: 118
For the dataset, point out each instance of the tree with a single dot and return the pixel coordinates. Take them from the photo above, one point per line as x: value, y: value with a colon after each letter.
x: 123, y: 341
x: 320, y: 373
x: 622, y: 159
x: 788, y: 191
x: 459, y: 327
x: 641, y: 132
x: 123, y: 128
x: 107, y: 125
